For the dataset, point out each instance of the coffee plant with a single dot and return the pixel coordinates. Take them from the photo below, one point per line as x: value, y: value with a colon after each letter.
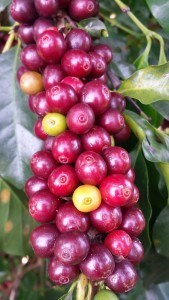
x: 84, y: 155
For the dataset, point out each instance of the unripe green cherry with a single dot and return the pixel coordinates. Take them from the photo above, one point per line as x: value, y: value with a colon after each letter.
x: 105, y: 295
x: 54, y: 123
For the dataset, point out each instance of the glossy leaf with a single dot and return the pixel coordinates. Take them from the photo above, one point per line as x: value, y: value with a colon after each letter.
x: 142, y: 182
x: 162, y: 107
x: 161, y: 233
x: 94, y: 26
x: 160, y: 10
x: 155, y: 143
x: 17, y: 140
x: 148, y: 85
x: 16, y: 223
x: 4, y: 4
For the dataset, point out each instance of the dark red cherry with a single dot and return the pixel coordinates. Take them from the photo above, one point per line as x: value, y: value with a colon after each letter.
x: 80, y: 118
x: 130, y: 174
x: 99, y: 263
x: 112, y: 121
x: 47, y: 8
x: 51, y: 46
x: 23, y: 11
x: 43, y: 239
x: 106, y: 218
x: 63, y: 181
x: 116, y: 190
x: 40, y: 25
x: 66, y: 147
x: 61, y: 98
x: 117, y: 101
x: 35, y: 184
x: 118, y: 242
x: 30, y: 58
x: 52, y: 75
x: 90, y: 168
x: 21, y: 70
x: 72, y: 247
x: 74, y: 82
x: 83, y: 9
x: 124, y: 277
x: 76, y: 63
x: 48, y: 143
x: 104, y: 51
x: 42, y: 107
x: 32, y: 103
x: 43, y: 206
x: 96, y: 139
x: 133, y: 221
x: 42, y: 164
x: 134, y: 199
x: 136, y: 253
x: 117, y: 159
x: 123, y: 135
x: 38, y: 130
x: 98, y: 65
x: 25, y: 33
x: 68, y: 218
x: 60, y: 273
x: 78, y: 39
x: 96, y: 94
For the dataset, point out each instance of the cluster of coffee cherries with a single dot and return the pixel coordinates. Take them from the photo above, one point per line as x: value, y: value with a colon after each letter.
x: 82, y: 190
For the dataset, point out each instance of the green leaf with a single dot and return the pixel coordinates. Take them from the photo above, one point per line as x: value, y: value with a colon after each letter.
x: 142, y: 61
x: 16, y: 223
x: 160, y: 10
x: 155, y: 143
x: 142, y: 182
x: 162, y: 107
x: 148, y: 85
x: 3, y: 4
x: 94, y: 26
x: 17, y: 140
x: 161, y: 233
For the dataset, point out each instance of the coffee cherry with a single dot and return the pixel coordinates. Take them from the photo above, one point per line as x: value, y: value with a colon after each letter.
x: 96, y: 139
x: 32, y: 103
x: 51, y: 46
x: 80, y: 118
x: 43, y: 206
x: 117, y: 159
x: 133, y: 221
x: 105, y: 295
x: 60, y: 273
x: 61, y: 98
x: 30, y: 58
x: 25, y: 33
x: 48, y: 143
x: 118, y: 242
x: 42, y: 107
x: 43, y: 239
x: 86, y: 198
x: 63, y: 181
x: 78, y: 39
x: 76, y: 63
x: 112, y: 121
x: 21, y: 70
x: 84, y: 9
x: 66, y: 147
x: 47, y: 8
x: 35, y: 184
x: 131, y: 175
x: 72, y: 247
x: 104, y: 51
x: 117, y: 101
x: 23, y: 11
x: 99, y: 263
x: 137, y: 252
x: 116, y: 190
x: 54, y: 123
x: 98, y: 65
x: 124, y: 277
x: 42, y: 164
x: 96, y: 94
x: 123, y: 135
x: 38, y: 130
x: 40, y: 25
x: 134, y: 199
x: 106, y: 218
x: 90, y: 168
x: 74, y: 82
x: 52, y: 75
x: 31, y: 82
x: 68, y: 218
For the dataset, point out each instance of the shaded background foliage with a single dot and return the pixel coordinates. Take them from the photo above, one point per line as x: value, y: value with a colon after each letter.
x: 18, y: 144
